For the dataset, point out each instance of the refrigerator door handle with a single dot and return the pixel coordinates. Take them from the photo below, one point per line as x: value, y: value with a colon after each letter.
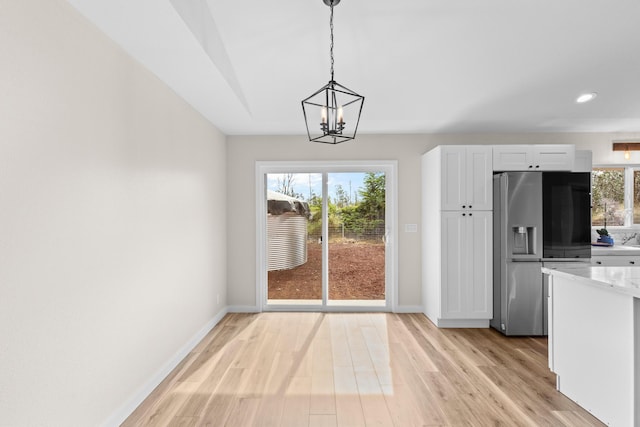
x: 504, y: 192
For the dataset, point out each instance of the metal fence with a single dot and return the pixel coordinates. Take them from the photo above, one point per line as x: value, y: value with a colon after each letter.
x: 338, y: 232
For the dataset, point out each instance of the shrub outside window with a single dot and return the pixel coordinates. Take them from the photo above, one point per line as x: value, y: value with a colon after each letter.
x: 607, y: 197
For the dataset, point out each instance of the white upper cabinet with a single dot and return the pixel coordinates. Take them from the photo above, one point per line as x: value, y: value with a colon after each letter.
x: 583, y: 162
x: 554, y: 157
x: 466, y: 177
x: 512, y: 157
x: 544, y: 157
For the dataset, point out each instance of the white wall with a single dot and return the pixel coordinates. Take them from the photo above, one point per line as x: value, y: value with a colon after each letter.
x: 244, y: 151
x: 602, y: 149
x: 112, y: 221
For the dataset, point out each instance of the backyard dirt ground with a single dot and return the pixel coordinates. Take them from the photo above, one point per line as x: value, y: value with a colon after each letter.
x: 356, y: 271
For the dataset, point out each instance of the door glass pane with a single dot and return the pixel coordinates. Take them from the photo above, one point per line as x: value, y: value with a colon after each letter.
x: 294, y: 252
x: 607, y: 197
x: 356, y: 238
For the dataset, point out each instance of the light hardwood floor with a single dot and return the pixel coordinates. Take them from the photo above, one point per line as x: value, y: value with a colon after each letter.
x: 315, y: 369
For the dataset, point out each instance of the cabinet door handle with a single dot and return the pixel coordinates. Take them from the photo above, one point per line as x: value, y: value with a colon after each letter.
x: 598, y: 262
x: 530, y: 166
x: 537, y: 166
x: 464, y: 206
x: 472, y: 214
x: 464, y: 214
x: 470, y: 206
x: 632, y: 262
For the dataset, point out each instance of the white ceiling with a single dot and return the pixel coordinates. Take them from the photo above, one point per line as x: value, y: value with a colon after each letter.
x: 424, y: 66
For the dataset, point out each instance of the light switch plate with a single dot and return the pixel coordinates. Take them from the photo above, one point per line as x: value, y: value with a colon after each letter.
x: 411, y: 228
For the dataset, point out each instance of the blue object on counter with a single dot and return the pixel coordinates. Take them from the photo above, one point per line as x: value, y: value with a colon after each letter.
x: 606, y: 239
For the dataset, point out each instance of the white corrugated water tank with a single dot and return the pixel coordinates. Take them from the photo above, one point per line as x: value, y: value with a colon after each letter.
x: 286, y: 231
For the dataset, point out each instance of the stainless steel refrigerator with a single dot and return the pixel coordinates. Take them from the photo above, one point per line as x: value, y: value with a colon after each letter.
x: 539, y: 217
x: 518, y: 303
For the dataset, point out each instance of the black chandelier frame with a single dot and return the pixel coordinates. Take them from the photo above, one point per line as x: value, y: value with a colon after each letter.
x: 332, y: 100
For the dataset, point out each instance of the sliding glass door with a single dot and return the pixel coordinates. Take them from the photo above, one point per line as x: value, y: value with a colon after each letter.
x: 356, y: 238
x: 325, y: 235
x: 293, y: 245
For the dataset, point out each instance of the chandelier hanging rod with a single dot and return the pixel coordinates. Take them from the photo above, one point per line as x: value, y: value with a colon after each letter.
x: 337, y: 107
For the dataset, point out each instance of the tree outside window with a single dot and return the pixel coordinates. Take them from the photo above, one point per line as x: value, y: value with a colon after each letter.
x: 636, y: 196
x: 608, y: 197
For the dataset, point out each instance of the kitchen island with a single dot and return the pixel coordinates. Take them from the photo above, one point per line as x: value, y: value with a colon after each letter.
x: 594, y: 339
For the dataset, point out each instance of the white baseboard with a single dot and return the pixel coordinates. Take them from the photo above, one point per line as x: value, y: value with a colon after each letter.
x: 409, y: 309
x: 128, y: 407
x: 463, y: 323
x: 255, y: 309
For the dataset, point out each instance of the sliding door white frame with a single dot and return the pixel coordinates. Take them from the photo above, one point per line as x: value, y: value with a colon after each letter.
x: 389, y: 167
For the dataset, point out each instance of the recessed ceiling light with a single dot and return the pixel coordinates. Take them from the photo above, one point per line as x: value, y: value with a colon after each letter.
x: 586, y: 97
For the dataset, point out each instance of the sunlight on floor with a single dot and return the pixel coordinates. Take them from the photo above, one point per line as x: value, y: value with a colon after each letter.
x: 356, y: 369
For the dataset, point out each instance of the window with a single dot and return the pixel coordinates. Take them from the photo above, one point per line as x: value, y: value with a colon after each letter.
x: 607, y: 197
x: 615, y: 196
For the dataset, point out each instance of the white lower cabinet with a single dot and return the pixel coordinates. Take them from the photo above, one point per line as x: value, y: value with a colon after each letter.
x: 466, y: 276
x: 616, y: 260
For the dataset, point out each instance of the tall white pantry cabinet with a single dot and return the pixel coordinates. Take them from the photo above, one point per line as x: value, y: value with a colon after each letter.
x: 457, y: 235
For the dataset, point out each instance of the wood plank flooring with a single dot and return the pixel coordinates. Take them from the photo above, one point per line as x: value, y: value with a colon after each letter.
x: 321, y: 369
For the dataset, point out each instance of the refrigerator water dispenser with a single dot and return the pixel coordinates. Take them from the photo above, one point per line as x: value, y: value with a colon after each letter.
x: 524, y: 240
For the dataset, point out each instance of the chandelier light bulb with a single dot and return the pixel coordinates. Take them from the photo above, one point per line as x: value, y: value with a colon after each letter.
x: 627, y: 155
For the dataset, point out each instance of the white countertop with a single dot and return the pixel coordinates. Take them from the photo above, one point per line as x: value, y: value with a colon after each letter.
x: 624, y: 280
x: 615, y: 250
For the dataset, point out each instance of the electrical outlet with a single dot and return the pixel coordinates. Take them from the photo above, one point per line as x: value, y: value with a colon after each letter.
x: 411, y: 228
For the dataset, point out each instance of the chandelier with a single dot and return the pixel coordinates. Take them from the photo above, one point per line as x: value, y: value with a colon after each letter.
x: 332, y: 113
